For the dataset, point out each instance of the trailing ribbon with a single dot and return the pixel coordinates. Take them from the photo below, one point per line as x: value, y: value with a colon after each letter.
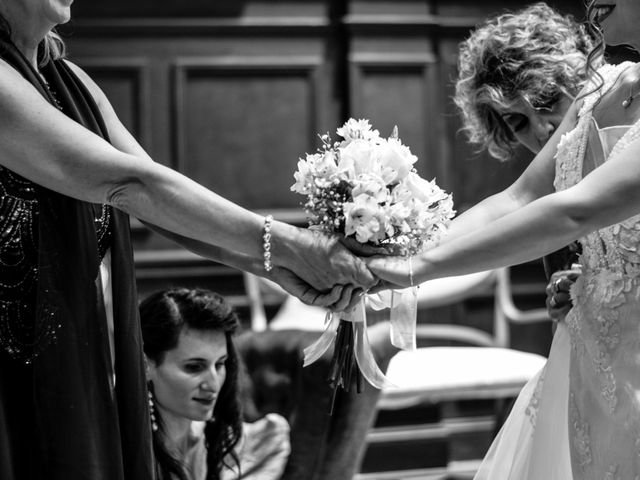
x: 403, y: 305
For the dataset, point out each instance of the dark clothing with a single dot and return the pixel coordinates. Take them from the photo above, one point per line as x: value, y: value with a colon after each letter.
x: 61, y: 418
x: 561, y: 259
x: 323, y: 446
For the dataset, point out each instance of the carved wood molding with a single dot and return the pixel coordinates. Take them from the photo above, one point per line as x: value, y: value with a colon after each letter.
x: 211, y: 27
x: 401, y: 25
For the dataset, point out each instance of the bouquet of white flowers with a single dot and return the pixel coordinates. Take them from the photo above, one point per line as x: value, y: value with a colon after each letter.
x: 365, y: 187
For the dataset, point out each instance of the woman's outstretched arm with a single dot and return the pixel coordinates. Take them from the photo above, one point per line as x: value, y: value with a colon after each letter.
x: 535, y: 182
x: 610, y: 194
x: 45, y: 146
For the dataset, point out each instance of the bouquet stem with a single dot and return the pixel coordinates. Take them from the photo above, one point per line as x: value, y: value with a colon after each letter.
x: 343, y: 367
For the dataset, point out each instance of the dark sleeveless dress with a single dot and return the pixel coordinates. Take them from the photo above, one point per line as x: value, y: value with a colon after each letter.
x: 61, y: 417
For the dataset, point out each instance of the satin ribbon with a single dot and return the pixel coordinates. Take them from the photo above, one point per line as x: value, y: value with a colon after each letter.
x: 403, y: 305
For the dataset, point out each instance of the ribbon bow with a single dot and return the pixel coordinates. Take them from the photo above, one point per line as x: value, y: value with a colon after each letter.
x: 403, y: 305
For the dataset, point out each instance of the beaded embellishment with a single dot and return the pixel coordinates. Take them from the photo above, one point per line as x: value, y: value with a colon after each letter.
x: 25, y: 332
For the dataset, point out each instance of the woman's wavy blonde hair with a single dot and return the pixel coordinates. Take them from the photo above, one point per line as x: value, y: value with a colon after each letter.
x: 51, y: 48
x: 535, y: 54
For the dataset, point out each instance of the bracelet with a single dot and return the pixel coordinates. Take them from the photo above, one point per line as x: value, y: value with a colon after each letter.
x: 266, y: 242
x: 411, y: 270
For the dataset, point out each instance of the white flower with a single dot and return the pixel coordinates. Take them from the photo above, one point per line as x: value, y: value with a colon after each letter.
x: 357, y: 129
x: 396, y: 160
x: 365, y: 187
x: 304, y: 177
x: 325, y: 165
x: 365, y: 218
x: 372, y: 185
x: 357, y: 158
x: 398, y: 214
x: 423, y: 190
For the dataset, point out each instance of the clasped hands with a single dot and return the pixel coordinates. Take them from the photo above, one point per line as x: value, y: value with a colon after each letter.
x: 331, y: 272
x: 335, y: 272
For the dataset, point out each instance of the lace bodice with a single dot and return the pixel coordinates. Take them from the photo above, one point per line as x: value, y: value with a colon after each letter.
x: 604, y: 403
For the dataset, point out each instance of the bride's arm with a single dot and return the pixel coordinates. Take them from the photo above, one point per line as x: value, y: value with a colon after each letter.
x: 535, y: 182
x: 608, y: 195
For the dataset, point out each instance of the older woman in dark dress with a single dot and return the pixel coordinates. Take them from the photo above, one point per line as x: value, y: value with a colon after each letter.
x: 72, y: 387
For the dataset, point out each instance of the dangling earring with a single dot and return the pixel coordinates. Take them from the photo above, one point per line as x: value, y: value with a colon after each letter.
x: 152, y: 412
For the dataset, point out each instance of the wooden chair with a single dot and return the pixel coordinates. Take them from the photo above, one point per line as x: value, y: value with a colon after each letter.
x: 485, y: 368
x: 324, y: 447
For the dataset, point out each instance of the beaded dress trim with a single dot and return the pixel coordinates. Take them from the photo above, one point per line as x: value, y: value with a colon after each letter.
x: 24, y: 333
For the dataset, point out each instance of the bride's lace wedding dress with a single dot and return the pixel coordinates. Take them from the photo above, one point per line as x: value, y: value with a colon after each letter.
x: 579, y: 418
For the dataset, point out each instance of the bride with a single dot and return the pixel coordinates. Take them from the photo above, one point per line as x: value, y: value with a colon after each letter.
x: 584, y: 184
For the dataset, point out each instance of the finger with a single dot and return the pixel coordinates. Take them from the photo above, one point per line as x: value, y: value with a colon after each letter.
x: 390, y: 269
x: 562, y: 299
x: 364, y: 277
x: 549, y: 289
x: 344, y: 300
x: 356, y: 297
x: 361, y: 249
x: 325, y: 300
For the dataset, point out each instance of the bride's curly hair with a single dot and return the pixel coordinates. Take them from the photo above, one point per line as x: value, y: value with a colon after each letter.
x: 535, y: 54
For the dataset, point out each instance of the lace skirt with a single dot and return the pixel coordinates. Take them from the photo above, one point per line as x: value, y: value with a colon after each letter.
x: 533, y: 444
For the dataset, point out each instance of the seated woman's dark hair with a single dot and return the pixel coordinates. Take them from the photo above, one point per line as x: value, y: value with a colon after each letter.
x: 163, y: 316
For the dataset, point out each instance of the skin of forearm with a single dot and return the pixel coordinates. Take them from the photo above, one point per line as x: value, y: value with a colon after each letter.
x: 540, y: 227
x: 213, y: 252
x: 201, y: 220
x: 485, y: 212
x: 162, y: 197
x: 198, y: 218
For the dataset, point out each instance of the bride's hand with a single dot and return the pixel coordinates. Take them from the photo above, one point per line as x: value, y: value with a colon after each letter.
x: 392, y: 270
x: 558, y: 296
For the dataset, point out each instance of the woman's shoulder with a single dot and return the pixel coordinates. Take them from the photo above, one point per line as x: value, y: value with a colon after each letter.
x: 264, y: 449
x: 270, y: 425
x: 598, y: 84
x: 95, y: 91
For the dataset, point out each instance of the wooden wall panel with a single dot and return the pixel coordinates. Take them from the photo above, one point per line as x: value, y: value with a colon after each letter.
x: 126, y: 83
x: 394, y: 90
x: 258, y: 112
x: 232, y: 93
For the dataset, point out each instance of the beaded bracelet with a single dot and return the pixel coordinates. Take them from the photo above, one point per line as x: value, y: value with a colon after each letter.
x: 266, y: 242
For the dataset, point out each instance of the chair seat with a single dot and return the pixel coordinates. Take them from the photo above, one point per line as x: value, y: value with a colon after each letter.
x: 435, y: 374
x: 294, y: 314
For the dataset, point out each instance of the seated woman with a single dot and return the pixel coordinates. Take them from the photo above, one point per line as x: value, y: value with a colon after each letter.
x: 194, y: 400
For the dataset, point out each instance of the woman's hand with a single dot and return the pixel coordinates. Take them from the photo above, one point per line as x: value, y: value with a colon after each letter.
x: 558, y: 297
x: 392, y: 271
x: 338, y: 299
x: 320, y: 260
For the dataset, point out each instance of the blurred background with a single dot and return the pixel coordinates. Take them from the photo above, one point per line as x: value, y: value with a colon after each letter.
x: 231, y: 93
